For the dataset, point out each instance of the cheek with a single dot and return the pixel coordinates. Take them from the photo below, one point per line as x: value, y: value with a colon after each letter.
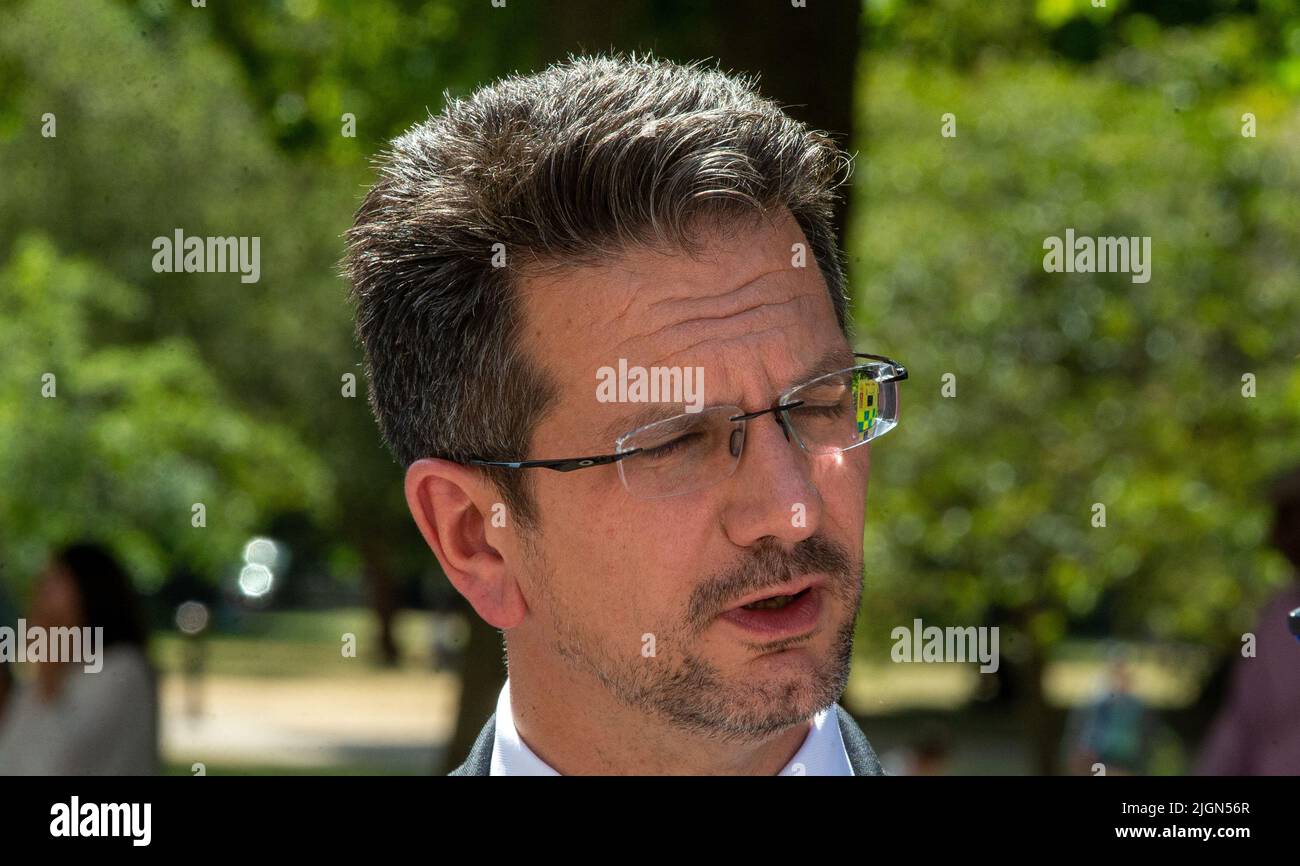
x: 668, y: 551
x: 844, y: 490
x: 593, y: 548
x: 622, y: 563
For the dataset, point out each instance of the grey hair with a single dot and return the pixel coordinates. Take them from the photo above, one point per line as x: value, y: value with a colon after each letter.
x: 564, y: 167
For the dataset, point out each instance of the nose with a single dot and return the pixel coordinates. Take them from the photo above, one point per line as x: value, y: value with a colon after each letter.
x: 771, y: 493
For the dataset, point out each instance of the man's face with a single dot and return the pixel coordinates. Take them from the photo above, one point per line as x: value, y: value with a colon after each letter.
x: 629, y: 591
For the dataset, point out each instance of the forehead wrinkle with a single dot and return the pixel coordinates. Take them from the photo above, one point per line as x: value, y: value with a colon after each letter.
x: 720, y: 340
x: 609, y: 274
x: 689, y: 294
x: 701, y: 329
x: 638, y: 267
x: 696, y: 296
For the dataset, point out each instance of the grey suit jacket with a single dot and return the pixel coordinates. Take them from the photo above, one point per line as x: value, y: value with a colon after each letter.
x: 861, y: 756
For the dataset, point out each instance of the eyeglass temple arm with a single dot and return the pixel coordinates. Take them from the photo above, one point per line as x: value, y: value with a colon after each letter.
x: 901, y: 373
x: 567, y: 464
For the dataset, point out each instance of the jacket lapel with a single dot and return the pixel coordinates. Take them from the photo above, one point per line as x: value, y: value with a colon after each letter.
x: 861, y: 756
x: 479, y: 761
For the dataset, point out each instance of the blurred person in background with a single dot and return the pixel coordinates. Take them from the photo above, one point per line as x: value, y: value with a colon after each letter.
x: 8, y: 616
x: 65, y: 720
x: 1257, y: 731
x: 1115, y: 729
x: 6, y: 687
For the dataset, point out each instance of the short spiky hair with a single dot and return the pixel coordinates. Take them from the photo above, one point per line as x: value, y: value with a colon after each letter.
x: 561, y: 168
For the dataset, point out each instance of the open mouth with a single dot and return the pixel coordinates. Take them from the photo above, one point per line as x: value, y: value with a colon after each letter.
x: 779, y: 616
x: 776, y: 602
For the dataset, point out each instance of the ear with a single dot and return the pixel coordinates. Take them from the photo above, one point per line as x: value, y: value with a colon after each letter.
x: 452, y: 506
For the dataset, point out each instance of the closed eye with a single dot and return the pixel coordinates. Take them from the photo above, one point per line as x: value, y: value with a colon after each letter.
x: 671, y: 446
x: 822, y: 411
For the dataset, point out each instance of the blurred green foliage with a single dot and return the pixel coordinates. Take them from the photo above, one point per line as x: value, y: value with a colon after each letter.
x: 129, y: 437
x: 172, y: 389
x: 1075, y: 389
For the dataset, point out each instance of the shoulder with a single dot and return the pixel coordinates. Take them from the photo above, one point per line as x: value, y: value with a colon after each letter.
x: 1274, y: 612
x: 126, y: 667
x: 124, y: 680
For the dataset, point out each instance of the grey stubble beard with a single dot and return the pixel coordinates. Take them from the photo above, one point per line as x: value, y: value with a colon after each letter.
x: 688, y: 691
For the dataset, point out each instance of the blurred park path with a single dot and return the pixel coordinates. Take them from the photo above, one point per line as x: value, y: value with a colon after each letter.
x: 381, y: 722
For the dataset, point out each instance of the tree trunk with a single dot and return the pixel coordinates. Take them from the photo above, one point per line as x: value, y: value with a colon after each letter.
x: 1037, y: 715
x: 482, y: 675
x: 383, y: 600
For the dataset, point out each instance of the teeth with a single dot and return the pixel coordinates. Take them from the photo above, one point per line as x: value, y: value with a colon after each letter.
x: 770, y: 603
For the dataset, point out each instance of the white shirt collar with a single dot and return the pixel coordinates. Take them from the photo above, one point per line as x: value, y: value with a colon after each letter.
x: 822, y: 752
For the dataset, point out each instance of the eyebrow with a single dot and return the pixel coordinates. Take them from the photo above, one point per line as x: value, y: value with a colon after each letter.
x: 836, y: 359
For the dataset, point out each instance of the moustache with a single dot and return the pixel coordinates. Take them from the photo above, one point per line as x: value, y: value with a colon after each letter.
x: 768, y: 564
